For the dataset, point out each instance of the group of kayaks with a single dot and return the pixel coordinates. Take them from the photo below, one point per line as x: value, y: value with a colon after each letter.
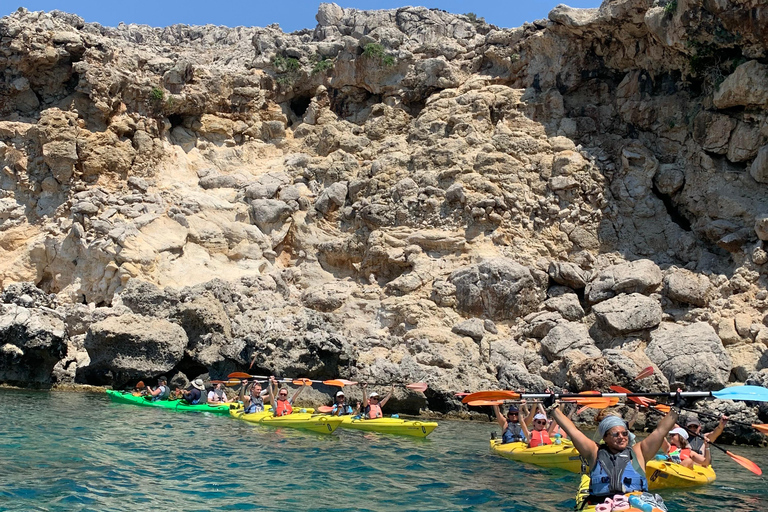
x: 303, y: 419
x: 661, y: 474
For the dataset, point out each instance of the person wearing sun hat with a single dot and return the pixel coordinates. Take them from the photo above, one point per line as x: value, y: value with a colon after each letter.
x: 511, y: 430
x: 162, y: 391
x: 196, y: 393
x: 540, y: 434
x: 679, y: 451
x: 341, y: 408
x: 697, y: 439
x: 373, y: 403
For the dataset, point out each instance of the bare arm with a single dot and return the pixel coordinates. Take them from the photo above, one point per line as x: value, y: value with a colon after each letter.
x: 586, y: 447
x: 389, y: 395
x: 528, y: 415
x: 651, y: 444
x: 633, y: 418
x: 526, y: 431
x: 296, y: 394
x: 499, y: 418
x: 365, y: 395
x: 712, y: 436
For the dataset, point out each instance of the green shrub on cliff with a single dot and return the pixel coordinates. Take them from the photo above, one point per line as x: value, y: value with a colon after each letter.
x: 376, y: 51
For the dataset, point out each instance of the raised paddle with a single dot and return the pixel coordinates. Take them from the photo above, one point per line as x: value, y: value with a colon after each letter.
x: 746, y: 393
x: 415, y: 386
x: 645, y: 373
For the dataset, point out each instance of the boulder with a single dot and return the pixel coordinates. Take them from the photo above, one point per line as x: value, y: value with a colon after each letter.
x: 32, y: 342
x: 747, y: 86
x: 641, y: 276
x: 747, y: 358
x: 628, y: 313
x: 499, y: 288
x: 687, y: 287
x: 474, y: 328
x: 269, y: 214
x: 759, y: 168
x: 134, y: 346
x: 332, y: 198
x: 568, y: 274
x: 690, y: 355
x: 567, y: 337
x: 567, y: 305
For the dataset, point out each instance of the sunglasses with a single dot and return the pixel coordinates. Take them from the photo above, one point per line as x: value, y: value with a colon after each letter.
x: 513, y: 414
x: 623, y: 433
x: 540, y: 422
x: 283, y: 394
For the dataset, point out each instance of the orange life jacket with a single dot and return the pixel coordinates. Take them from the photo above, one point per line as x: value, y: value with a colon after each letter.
x: 539, y: 437
x: 283, y: 407
x: 373, y: 411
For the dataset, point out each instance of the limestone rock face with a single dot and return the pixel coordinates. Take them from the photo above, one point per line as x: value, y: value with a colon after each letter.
x: 132, y: 346
x: 400, y: 195
x: 499, y: 288
x: 692, y: 355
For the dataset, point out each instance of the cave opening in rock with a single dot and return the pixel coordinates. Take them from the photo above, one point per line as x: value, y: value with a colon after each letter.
x: 175, y: 120
x: 300, y: 104
x: 189, y: 367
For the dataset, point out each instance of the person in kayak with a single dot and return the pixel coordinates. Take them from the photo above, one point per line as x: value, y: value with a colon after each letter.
x: 282, y: 405
x: 341, y: 408
x: 679, y: 451
x: 511, y: 430
x: 540, y: 434
x: 196, y: 394
x: 697, y: 440
x: 372, y: 404
x: 254, y: 400
x: 217, y: 395
x: 617, y: 468
x: 161, y: 392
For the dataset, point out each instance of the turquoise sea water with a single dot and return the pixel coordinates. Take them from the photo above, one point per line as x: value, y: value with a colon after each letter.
x: 81, y: 452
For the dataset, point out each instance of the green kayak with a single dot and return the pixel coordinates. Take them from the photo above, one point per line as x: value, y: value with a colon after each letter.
x: 127, y: 397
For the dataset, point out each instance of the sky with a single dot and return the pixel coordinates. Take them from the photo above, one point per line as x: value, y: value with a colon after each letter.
x: 290, y: 14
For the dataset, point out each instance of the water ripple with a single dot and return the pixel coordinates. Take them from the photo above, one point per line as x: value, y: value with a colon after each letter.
x: 80, y: 452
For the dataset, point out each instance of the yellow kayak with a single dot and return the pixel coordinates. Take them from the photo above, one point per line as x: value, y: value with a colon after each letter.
x: 268, y: 407
x: 561, y: 456
x: 302, y: 420
x: 415, y: 428
x: 666, y: 475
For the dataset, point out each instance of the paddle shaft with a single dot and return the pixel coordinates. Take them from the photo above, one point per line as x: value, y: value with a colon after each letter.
x: 689, y: 394
x: 717, y: 417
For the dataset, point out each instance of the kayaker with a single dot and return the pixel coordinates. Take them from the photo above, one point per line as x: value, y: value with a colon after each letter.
x: 217, y: 395
x: 196, y: 393
x: 282, y: 405
x: 540, y: 434
x: 617, y: 468
x: 254, y: 401
x: 341, y: 408
x: 693, y: 426
x: 678, y: 450
x: 511, y: 430
x: 372, y: 403
x: 161, y: 392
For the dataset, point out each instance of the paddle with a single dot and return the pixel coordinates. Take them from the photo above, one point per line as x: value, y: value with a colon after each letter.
x: 325, y: 408
x: 298, y: 381
x: 760, y: 427
x: 416, y: 386
x: 747, y: 393
x: 645, y: 373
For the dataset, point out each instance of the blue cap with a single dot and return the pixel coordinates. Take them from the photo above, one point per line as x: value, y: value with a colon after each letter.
x: 512, y: 408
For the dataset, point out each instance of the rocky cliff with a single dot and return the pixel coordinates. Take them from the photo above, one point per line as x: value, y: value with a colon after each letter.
x: 393, y: 195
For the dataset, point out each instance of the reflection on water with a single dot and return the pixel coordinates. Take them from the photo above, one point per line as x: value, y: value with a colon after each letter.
x: 80, y: 452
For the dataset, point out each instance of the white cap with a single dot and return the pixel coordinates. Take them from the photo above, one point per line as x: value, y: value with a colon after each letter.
x: 680, y: 431
x: 374, y: 395
x: 540, y: 417
x: 339, y: 393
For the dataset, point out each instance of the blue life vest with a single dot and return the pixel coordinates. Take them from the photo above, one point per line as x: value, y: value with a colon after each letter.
x: 256, y: 405
x: 345, y: 409
x: 616, y: 473
x: 513, y: 434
